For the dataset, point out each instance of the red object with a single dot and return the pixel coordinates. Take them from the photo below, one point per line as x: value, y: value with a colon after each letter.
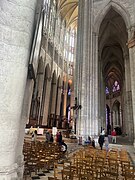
x: 113, y: 133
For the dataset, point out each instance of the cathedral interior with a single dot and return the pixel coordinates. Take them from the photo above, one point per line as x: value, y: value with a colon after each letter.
x: 65, y: 64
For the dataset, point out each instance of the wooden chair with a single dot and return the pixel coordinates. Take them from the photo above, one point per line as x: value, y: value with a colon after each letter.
x: 111, y: 172
x: 130, y: 174
x: 124, y: 166
x: 67, y: 172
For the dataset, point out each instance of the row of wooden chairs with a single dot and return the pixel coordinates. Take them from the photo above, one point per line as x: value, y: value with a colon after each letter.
x: 86, y: 163
x: 40, y: 156
x: 94, y: 164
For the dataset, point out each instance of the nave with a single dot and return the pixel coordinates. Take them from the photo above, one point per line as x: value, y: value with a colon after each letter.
x: 45, y: 161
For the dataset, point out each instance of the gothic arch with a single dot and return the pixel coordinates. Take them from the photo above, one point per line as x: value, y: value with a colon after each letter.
x: 116, y: 102
x: 59, y: 81
x: 118, y: 8
x: 52, y: 101
x: 54, y: 78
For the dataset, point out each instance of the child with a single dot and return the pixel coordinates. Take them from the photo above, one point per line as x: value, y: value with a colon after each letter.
x: 93, y: 143
x: 34, y: 136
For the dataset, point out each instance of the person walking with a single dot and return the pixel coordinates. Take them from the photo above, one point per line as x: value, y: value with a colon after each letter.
x: 106, y: 140
x: 113, y: 134
x: 34, y: 136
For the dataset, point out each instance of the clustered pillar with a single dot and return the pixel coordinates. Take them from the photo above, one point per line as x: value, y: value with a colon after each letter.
x: 87, y: 71
x: 131, y: 46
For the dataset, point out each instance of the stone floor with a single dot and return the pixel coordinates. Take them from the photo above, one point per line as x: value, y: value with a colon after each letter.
x: 122, y: 142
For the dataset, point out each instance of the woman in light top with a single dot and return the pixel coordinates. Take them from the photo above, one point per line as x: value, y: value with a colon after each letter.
x: 106, y: 141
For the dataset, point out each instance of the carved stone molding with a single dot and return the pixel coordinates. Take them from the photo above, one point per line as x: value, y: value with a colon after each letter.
x: 15, y: 171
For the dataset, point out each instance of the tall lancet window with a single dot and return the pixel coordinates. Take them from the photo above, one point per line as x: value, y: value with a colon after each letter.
x: 46, y: 13
x: 66, y: 45
x: 72, y: 45
x: 52, y: 18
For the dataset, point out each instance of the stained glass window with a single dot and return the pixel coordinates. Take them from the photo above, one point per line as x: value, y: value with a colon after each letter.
x: 107, y: 90
x: 116, y: 86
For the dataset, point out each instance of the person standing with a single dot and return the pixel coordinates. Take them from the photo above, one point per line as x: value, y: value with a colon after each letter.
x: 48, y: 136
x: 113, y: 134
x: 60, y: 138
x: 51, y: 138
x: 101, y: 141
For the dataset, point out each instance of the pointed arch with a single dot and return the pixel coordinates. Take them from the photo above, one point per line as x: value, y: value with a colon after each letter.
x: 41, y: 65
x: 116, y: 102
x: 118, y: 8
x: 47, y: 71
x: 54, y: 77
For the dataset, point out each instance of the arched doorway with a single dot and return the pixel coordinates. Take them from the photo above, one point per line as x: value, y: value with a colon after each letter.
x: 45, y: 96
x: 52, y: 104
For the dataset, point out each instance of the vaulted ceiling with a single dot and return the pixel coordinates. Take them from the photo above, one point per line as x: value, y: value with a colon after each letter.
x: 112, y: 42
x: 112, y: 39
x: 69, y: 11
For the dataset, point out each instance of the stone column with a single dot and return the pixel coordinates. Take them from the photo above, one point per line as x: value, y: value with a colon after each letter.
x: 81, y: 66
x: 58, y: 101
x: 16, y: 23
x: 58, y: 104
x: 128, y: 115
x: 95, y: 86
x: 54, y: 91
x: 87, y: 70
x: 65, y: 102
x: 131, y: 45
x: 53, y: 103
x: 40, y: 83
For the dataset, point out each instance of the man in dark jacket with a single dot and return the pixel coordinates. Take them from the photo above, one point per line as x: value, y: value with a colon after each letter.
x: 101, y: 141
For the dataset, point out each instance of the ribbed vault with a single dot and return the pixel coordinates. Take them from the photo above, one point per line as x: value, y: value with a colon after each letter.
x: 112, y: 44
x: 69, y: 11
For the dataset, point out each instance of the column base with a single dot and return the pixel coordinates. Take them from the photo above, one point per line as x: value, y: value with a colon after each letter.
x: 13, y: 172
x: 9, y: 172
